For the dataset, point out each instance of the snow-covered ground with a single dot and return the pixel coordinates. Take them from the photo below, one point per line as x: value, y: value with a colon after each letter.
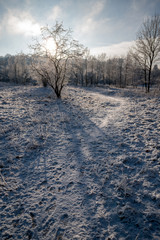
x: 84, y: 167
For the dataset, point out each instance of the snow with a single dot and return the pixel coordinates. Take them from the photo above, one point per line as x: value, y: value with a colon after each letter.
x: 84, y: 167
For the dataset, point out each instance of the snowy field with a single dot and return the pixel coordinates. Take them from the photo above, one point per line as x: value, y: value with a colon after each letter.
x: 85, y: 167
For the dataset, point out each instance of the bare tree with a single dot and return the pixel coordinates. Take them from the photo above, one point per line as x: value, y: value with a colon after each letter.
x: 3, y: 68
x: 86, y: 63
x: 147, y: 47
x: 78, y: 71
x: 52, y: 55
x: 16, y: 68
x: 92, y: 61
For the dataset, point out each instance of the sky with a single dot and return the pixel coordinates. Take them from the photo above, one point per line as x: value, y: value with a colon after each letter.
x: 107, y: 26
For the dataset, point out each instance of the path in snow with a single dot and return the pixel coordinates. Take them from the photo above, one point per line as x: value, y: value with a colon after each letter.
x: 86, y: 167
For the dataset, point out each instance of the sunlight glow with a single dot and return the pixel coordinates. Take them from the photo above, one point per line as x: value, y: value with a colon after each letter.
x: 50, y: 46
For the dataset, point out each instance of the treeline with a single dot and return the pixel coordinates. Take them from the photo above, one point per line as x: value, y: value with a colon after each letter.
x: 116, y: 71
x: 16, y: 69
x: 85, y: 71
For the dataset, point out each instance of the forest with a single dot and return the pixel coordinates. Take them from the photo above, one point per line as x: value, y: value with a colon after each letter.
x: 87, y: 71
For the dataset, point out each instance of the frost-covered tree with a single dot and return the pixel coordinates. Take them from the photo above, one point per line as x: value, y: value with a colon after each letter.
x: 53, y: 53
x: 15, y: 68
x: 147, y: 47
x: 3, y: 69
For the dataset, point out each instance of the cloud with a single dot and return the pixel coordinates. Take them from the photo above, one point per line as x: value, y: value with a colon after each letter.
x: 119, y: 49
x: 96, y: 8
x: 140, y: 10
x: 1, y: 28
x: 56, y: 13
x: 93, y: 25
x: 136, y: 5
x: 91, y: 21
x: 16, y: 22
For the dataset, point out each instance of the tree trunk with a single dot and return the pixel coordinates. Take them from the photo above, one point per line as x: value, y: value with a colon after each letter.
x: 149, y: 80
x: 145, y: 79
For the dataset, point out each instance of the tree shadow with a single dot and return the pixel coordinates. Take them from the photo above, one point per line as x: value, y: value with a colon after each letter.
x: 72, y: 176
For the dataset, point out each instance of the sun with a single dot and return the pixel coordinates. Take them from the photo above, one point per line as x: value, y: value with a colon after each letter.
x: 50, y: 45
